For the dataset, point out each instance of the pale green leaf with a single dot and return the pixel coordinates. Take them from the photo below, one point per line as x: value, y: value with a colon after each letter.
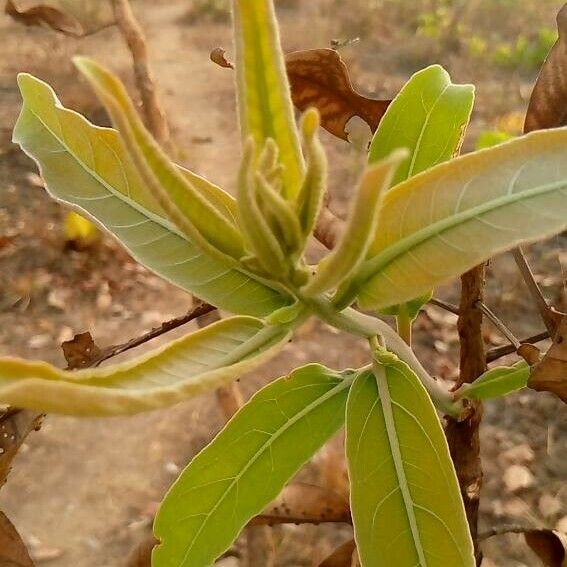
x: 264, y: 98
x: 87, y: 167
x: 405, y: 500
x: 428, y: 116
x: 186, y: 367
x: 186, y: 206
x: 237, y: 475
x: 497, y: 382
x: 360, y: 227
x: 458, y: 214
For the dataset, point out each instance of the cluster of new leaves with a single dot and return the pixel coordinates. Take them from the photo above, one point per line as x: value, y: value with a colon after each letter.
x: 418, y: 219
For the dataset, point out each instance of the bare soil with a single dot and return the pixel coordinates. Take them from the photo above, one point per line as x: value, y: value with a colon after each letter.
x: 83, y: 491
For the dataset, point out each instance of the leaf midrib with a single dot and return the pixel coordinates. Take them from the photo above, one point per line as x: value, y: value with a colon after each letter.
x: 387, y: 411
x: 373, y: 266
x: 423, y: 129
x: 342, y: 385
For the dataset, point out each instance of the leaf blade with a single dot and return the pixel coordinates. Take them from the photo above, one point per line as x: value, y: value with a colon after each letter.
x: 429, y: 108
x: 405, y: 500
x: 497, y: 382
x: 458, y: 214
x: 284, y: 423
x: 183, y: 368
x: 60, y: 141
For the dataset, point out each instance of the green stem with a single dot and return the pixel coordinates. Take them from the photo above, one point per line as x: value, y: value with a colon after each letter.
x: 366, y: 326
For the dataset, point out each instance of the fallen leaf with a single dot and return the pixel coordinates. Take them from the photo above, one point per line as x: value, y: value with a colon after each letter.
x: 41, y: 14
x: 342, y: 556
x: 15, y: 425
x: 13, y: 552
x: 549, y: 545
x: 302, y: 503
x: 319, y: 78
x: 551, y: 373
x: 80, y: 351
x: 218, y: 56
x: 548, y: 103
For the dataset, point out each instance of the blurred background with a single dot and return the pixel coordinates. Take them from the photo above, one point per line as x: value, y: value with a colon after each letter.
x: 82, y: 492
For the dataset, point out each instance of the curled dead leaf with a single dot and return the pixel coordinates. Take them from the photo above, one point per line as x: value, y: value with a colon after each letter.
x: 42, y: 14
x: 548, y: 103
x: 13, y: 552
x: 551, y: 373
x: 301, y: 503
x: 218, y: 56
x: 319, y: 78
x: 343, y: 556
x: 81, y: 351
x: 15, y: 425
x: 549, y: 545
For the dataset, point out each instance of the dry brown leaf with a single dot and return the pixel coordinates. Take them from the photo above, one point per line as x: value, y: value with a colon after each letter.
x: 549, y: 545
x: 319, y: 78
x: 342, y: 556
x: 13, y: 552
x: 41, y: 14
x: 15, y: 425
x: 548, y: 103
x: 301, y: 503
x: 141, y: 556
x: 218, y: 56
x: 550, y: 374
x: 80, y: 351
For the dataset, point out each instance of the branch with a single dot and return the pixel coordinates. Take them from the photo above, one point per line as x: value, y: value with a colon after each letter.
x: 499, y: 352
x: 134, y: 37
x: 550, y: 317
x: 112, y: 351
x: 463, y: 436
x: 498, y: 323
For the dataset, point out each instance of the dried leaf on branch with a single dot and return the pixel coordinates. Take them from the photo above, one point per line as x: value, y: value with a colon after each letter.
x: 551, y: 373
x: 549, y: 545
x: 13, y: 552
x: 81, y: 351
x: 548, y: 103
x: 42, y: 14
x: 15, y: 425
x: 319, y: 78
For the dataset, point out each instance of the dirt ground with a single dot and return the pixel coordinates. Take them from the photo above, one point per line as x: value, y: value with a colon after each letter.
x: 83, y: 491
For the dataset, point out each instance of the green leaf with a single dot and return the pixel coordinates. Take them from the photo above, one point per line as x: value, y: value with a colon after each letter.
x: 186, y: 367
x: 360, y: 227
x: 458, y: 214
x: 185, y: 205
x: 87, y: 167
x: 429, y: 116
x: 264, y: 98
x: 247, y: 465
x: 491, y: 138
x: 497, y: 382
x: 405, y: 500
